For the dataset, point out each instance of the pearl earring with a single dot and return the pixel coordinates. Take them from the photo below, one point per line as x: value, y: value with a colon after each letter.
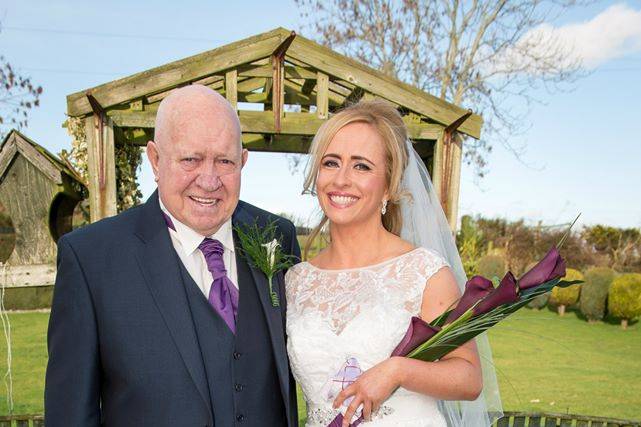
x: 384, y: 209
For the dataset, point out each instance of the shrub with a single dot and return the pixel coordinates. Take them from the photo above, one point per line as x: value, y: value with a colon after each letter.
x: 540, y: 301
x: 594, y: 292
x: 624, y: 298
x: 563, y: 297
x: 491, y: 265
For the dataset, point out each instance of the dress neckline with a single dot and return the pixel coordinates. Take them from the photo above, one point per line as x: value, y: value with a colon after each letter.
x: 378, y: 264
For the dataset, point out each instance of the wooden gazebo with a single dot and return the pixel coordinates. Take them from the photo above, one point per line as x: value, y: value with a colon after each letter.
x: 283, y: 86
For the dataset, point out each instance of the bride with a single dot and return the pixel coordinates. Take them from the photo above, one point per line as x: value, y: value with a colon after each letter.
x: 390, y: 256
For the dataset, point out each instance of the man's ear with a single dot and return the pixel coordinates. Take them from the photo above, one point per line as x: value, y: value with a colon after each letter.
x: 152, y: 155
x: 244, y: 155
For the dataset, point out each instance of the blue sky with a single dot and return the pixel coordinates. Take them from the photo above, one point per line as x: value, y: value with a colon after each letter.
x: 583, y: 147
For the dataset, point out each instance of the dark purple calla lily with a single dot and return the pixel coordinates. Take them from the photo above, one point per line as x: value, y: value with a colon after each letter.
x: 552, y: 266
x: 338, y: 421
x: 506, y: 292
x: 418, y: 332
x: 475, y: 289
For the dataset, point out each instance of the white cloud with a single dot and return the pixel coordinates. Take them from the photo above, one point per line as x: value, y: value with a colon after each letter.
x: 614, y: 33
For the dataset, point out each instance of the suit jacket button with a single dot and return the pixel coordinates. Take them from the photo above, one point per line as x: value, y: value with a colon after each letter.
x: 237, y: 355
x: 240, y: 418
x: 238, y: 387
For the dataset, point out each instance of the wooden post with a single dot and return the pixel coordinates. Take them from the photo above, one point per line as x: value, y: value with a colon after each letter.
x: 322, y: 95
x: 454, y: 180
x: 437, y: 168
x: 231, y: 88
x: 101, y: 165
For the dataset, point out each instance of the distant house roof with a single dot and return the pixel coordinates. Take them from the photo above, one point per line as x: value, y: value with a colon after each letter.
x: 17, y: 143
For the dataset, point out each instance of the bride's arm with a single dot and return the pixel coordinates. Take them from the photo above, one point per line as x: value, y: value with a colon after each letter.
x: 456, y: 376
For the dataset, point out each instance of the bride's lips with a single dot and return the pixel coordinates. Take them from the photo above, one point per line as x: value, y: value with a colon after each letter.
x: 341, y: 200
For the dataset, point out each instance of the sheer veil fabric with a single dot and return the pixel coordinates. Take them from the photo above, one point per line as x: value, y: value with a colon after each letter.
x: 425, y: 225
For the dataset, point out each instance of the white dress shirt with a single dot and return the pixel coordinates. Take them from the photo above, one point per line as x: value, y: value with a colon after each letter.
x: 186, y: 241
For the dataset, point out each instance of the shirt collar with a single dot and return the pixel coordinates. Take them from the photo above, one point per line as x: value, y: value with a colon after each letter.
x: 190, y: 239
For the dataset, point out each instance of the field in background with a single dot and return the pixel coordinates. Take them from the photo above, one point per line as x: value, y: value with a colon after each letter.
x: 544, y: 362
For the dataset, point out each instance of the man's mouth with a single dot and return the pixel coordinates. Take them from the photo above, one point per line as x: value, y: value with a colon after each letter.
x: 204, y: 201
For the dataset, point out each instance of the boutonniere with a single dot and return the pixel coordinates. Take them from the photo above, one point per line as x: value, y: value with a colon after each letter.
x: 263, y: 250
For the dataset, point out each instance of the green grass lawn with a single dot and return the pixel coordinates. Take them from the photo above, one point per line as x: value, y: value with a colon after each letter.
x: 544, y: 362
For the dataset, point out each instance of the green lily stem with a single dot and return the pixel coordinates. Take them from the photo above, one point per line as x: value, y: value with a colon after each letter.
x: 273, y: 295
x: 464, y: 318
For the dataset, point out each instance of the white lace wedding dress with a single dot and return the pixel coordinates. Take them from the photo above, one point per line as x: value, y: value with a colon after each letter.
x: 338, y: 315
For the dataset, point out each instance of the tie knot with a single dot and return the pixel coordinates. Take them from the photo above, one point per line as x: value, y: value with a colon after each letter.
x: 211, y: 247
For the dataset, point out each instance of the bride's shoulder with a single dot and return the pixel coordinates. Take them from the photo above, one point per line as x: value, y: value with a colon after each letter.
x: 428, y: 261
x: 296, y: 273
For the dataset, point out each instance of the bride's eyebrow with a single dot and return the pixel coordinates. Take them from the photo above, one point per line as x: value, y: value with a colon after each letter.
x: 336, y: 156
x: 363, y: 158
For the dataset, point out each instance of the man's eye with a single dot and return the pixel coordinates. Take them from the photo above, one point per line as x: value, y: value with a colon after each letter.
x: 226, y: 161
x: 189, y: 159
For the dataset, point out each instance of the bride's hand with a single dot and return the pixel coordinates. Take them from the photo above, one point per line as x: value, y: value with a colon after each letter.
x: 371, y: 389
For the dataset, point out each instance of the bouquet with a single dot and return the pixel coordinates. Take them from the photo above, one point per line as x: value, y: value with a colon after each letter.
x: 480, y: 307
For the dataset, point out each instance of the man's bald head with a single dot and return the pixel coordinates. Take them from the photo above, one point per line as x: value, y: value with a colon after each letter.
x: 197, y: 156
x: 193, y: 103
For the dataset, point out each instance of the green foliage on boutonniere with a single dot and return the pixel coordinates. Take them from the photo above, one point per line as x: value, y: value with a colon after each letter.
x: 263, y: 250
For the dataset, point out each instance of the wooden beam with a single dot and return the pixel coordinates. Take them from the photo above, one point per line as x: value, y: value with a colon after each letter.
x: 342, y: 67
x: 263, y: 122
x: 454, y: 180
x: 179, y: 72
x: 7, y: 153
x: 231, y: 88
x: 291, y: 72
x: 437, y: 168
x: 101, y: 168
x: 278, y: 76
x: 214, y: 82
x: 322, y: 95
x: 308, y: 86
x: 277, y: 143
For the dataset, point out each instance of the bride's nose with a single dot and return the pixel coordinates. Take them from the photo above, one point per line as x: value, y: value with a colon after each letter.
x: 342, y: 177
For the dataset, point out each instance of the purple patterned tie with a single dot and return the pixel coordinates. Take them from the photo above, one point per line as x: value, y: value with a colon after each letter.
x: 223, y: 295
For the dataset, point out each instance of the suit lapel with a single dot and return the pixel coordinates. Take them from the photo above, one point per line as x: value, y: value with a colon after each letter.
x: 159, y: 264
x: 273, y: 315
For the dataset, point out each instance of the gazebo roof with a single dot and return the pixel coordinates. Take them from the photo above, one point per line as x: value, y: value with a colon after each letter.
x: 248, y: 70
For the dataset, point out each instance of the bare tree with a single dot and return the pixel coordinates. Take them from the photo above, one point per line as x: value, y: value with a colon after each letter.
x: 18, y: 95
x: 487, y: 55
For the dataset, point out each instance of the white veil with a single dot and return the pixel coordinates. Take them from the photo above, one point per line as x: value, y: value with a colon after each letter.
x: 424, y: 224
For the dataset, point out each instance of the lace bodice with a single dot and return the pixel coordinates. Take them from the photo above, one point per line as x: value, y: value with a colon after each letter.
x: 361, y: 313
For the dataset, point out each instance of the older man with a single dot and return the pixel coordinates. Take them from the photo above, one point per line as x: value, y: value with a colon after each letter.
x: 158, y: 317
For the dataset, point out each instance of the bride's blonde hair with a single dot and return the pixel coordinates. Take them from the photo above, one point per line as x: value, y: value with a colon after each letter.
x: 387, y: 121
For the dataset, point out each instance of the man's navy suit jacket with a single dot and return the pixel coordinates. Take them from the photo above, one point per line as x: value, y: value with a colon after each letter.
x: 122, y: 344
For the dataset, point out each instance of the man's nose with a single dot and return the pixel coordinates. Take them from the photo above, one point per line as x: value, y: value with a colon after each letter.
x: 208, y: 179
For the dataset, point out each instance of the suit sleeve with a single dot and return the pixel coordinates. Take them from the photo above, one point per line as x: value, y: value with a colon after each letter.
x: 72, y: 384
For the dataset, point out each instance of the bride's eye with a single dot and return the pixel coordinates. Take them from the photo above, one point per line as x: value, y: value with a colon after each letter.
x: 330, y: 164
x: 362, y: 167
